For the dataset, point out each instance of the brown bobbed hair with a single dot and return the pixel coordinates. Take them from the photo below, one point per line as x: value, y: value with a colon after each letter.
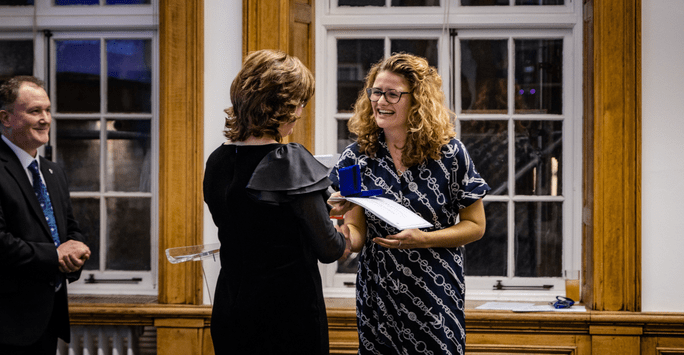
x: 429, y: 120
x: 265, y: 94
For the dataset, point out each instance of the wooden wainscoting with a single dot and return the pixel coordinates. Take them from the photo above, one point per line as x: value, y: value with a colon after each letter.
x: 184, y: 329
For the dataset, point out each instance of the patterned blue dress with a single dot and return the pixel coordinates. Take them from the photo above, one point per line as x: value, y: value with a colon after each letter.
x: 411, y: 301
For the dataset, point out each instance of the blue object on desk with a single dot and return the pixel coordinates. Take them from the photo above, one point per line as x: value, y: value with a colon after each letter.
x: 350, y: 183
x: 562, y: 302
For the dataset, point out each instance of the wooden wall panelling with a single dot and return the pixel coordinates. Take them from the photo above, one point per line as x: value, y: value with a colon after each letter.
x: 612, y: 224
x: 662, y: 345
x: 180, y: 336
x: 181, y: 131
x: 612, y: 339
x: 285, y: 25
x: 342, y: 331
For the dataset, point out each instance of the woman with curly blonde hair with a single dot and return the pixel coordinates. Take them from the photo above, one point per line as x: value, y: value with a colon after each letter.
x: 410, y: 283
x: 268, y: 201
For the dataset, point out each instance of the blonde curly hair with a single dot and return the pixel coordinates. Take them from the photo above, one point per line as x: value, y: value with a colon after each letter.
x: 429, y: 120
x: 265, y: 94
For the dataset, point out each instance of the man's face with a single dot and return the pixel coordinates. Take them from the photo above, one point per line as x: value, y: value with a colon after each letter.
x: 27, y: 122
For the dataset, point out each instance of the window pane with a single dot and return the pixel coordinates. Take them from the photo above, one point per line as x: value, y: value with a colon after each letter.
x: 350, y: 265
x: 78, y: 76
x: 129, y: 76
x: 87, y: 213
x: 539, y: 76
x: 484, y: 84
x: 415, y: 2
x: 78, y: 151
x: 16, y: 58
x: 128, y: 155
x: 484, y: 2
x: 426, y: 48
x: 539, y: 2
x: 538, y: 239
x: 488, y: 256
x: 361, y: 3
x: 127, y: 2
x: 354, y: 59
x: 16, y: 2
x: 538, y: 158
x: 128, y: 234
x: 487, y: 144
x: 344, y: 137
x: 76, y: 2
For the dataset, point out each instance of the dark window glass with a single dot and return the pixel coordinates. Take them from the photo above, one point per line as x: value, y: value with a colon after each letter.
x: 539, y: 158
x: 426, y: 48
x: 489, y: 255
x: 76, y: 2
x: 485, y: 2
x: 344, y: 137
x: 78, y: 76
x: 129, y: 76
x: 78, y: 151
x: 128, y: 155
x: 539, y: 76
x: 361, y: 3
x: 538, y: 239
x: 415, y: 2
x: 87, y: 213
x: 128, y: 234
x: 16, y: 2
x: 487, y: 144
x: 127, y: 2
x: 484, y: 76
x: 539, y: 2
x: 354, y: 59
x: 16, y: 58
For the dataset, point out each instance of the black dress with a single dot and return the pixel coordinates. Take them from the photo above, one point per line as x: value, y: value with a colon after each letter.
x: 269, y: 204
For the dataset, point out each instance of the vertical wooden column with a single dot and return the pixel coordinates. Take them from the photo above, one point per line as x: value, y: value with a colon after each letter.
x: 181, y: 38
x: 288, y: 26
x: 613, y: 155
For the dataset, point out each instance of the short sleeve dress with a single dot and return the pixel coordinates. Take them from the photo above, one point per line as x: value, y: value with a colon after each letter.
x: 411, y: 301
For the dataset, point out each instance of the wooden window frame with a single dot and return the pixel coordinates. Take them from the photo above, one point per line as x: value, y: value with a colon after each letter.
x: 612, y: 140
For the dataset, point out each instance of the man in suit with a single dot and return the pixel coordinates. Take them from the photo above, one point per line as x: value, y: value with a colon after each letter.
x: 41, y: 245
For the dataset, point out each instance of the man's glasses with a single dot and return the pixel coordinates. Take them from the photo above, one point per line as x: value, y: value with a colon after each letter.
x: 392, y: 96
x: 562, y: 302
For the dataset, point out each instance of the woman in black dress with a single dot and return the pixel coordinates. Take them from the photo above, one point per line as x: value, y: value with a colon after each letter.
x: 269, y: 202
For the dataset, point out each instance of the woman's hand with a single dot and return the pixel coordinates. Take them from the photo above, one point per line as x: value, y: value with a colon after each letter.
x: 339, y: 206
x: 344, y: 229
x: 470, y: 228
x: 406, y: 239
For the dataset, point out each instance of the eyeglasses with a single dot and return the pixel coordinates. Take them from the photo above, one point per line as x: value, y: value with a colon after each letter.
x: 392, y: 96
x: 562, y: 302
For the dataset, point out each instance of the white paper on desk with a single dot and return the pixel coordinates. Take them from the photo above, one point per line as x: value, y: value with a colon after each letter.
x: 504, y: 306
x: 391, y: 212
x: 550, y: 308
x: 528, y: 307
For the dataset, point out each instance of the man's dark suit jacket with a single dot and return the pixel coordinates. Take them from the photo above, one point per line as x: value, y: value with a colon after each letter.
x: 28, y: 256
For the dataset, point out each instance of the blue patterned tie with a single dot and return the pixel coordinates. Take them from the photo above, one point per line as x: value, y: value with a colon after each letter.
x: 44, y: 199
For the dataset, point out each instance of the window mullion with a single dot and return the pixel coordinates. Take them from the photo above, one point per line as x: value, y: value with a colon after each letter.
x: 511, y: 157
x: 103, y: 157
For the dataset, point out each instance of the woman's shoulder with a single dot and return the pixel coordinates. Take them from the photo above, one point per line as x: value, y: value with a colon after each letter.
x: 453, y: 146
x: 290, y: 169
